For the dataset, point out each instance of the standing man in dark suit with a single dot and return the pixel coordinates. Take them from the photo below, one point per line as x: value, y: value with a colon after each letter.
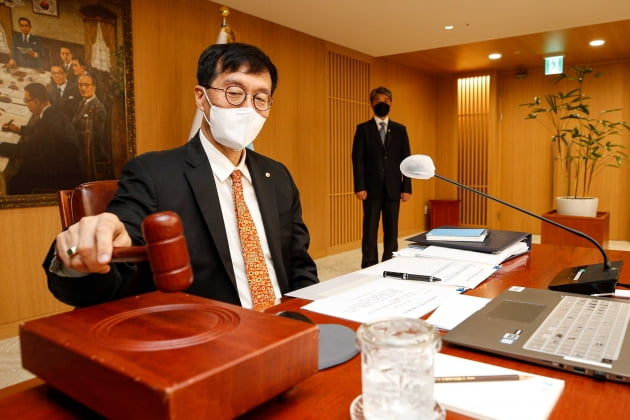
x: 27, y: 49
x: 234, y: 92
x: 378, y: 148
x: 48, y: 149
x: 89, y: 122
x: 65, y: 55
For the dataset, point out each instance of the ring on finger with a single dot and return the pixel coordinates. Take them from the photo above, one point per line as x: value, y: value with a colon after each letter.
x: 71, y: 251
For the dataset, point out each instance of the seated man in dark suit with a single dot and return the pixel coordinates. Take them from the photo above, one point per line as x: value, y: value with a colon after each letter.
x: 208, y: 181
x: 49, y: 149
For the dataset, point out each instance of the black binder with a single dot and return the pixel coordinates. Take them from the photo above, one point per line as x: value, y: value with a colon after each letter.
x: 496, y: 241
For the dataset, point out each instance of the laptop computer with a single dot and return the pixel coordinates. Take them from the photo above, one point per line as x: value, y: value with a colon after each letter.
x: 578, y: 333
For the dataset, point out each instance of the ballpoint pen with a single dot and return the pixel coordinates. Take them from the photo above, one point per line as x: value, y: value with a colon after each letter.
x: 407, y: 276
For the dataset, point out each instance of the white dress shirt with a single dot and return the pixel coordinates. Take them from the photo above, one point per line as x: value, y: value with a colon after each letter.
x: 379, y: 120
x: 222, y: 168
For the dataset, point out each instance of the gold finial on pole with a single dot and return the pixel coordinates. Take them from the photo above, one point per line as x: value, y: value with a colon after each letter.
x: 226, y: 35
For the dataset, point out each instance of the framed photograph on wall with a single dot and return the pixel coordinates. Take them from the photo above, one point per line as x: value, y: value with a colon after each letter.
x: 46, y: 7
x: 66, y: 96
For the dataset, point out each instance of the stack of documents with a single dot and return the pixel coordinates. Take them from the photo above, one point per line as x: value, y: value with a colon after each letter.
x: 413, y: 283
x: 462, y: 255
x: 496, y: 241
x: 365, y: 295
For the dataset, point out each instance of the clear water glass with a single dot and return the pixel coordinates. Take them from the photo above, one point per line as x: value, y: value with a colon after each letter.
x: 397, y: 368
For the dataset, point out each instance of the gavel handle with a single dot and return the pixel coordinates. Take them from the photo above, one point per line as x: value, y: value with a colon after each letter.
x: 129, y: 254
x: 165, y: 250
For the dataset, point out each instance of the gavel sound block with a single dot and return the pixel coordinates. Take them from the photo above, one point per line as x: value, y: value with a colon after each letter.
x: 169, y: 355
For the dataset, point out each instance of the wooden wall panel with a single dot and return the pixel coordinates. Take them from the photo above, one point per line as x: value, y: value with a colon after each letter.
x: 349, y: 80
x: 447, y: 152
x: 473, y: 138
x: 26, y: 237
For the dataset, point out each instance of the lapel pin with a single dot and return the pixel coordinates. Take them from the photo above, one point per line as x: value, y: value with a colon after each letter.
x: 267, y: 174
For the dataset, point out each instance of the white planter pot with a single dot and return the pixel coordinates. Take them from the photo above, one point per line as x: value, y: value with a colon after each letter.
x: 569, y: 206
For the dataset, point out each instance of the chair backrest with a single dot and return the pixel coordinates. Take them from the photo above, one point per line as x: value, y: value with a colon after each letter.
x: 87, y: 199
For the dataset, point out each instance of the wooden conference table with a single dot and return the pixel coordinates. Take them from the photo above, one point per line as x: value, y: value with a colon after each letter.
x: 329, y: 393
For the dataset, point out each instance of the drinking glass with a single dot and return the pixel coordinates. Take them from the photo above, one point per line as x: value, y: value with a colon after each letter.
x: 397, y: 370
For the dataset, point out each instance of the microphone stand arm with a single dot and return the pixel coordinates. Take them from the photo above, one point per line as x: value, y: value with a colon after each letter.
x: 607, y: 264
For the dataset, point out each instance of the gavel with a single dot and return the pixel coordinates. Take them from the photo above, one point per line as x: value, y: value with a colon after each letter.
x: 165, y: 249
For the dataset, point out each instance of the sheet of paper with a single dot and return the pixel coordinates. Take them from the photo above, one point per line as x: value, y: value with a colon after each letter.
x: 333, y: 286
x: 529, y: 399
x: 382, y: 298
x: 458, y: 274
x: 8, y: 137
x: 455, y: 309
x: 478, y: 257
x: 622, y: 293
x: 16, y: 109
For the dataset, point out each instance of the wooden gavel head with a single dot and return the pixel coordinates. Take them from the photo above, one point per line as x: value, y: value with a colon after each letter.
x: 165, y: 249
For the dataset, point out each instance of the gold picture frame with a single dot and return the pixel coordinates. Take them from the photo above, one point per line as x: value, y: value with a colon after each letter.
x: 98, y: 35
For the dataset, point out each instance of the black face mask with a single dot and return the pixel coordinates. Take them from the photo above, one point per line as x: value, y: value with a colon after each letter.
x: 381, y: 109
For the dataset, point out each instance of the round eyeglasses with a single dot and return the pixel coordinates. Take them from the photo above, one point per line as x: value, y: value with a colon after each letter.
x: 236, y: 95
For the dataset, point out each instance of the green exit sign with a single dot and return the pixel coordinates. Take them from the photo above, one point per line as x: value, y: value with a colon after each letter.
x: 554, y: 65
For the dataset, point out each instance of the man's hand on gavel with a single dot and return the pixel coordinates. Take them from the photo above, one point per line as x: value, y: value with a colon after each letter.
x: 87, y: 245
x: 103, y: 239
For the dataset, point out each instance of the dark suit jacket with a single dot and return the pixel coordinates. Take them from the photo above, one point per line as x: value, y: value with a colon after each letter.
x: 181, y: 180
x: 376, y: 167
x: 25, y: 60
x: 69, y: 101
x: 69, y: 72
x: 91, y: 119
x: 49, y: 153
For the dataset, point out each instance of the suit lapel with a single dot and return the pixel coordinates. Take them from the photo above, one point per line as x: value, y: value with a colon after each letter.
x: 200, y: 177
x: 263, y: 181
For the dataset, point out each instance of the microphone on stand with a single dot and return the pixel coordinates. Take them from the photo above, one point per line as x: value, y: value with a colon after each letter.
x: 593, y: 279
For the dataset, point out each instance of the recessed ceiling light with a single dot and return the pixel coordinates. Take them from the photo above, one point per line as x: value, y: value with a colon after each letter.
x: 449, y: 27
x: 597, y: 43
x: 494, y: 56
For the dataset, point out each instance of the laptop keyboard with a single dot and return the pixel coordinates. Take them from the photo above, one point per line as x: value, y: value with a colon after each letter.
x: 583, y: 328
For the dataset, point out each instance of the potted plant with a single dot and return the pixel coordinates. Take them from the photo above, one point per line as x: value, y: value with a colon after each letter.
x: 582, y: 143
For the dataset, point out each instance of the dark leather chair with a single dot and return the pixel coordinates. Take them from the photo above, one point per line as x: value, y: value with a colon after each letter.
x: 87, y: 199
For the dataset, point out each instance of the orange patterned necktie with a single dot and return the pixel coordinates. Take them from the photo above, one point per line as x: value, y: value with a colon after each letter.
x: 260, y: 286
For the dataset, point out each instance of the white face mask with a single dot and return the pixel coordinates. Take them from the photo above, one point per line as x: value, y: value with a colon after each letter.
x: 234, y: 127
